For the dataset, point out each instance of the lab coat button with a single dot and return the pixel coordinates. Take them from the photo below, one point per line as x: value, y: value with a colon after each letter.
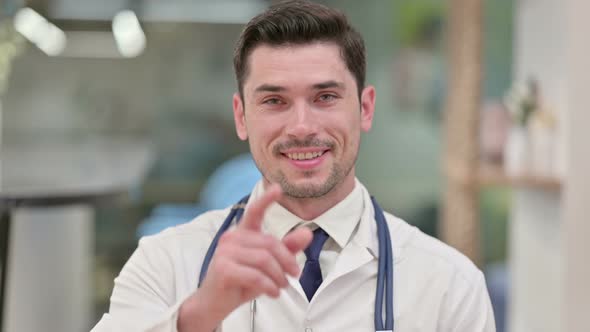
x: 308, y: 329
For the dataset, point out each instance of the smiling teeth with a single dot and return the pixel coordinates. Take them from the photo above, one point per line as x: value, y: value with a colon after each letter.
x: 304, y: 156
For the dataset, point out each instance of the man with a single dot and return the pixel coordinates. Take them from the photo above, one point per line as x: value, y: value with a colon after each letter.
x: 302, y: 105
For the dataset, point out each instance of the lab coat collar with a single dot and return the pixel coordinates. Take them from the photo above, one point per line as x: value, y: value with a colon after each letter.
x: 366, y: 235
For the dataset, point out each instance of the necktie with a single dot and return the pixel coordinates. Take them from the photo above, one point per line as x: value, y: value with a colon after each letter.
x: 311, y: 277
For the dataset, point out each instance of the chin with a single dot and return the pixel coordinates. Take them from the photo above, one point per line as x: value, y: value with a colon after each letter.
x: 307, y: 187
x: 308, y: 178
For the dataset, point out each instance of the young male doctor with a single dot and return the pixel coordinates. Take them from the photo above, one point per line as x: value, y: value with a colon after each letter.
x: 309, y: 253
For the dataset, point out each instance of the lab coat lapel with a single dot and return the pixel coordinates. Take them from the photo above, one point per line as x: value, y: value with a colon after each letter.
x: 294, y: 283
x: 360, y: 250
x: 351, y: 258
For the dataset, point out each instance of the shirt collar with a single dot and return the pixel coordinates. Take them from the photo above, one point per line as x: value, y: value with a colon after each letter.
x: 339, y: 221
x: 279, y: 221
x: 366, y: 236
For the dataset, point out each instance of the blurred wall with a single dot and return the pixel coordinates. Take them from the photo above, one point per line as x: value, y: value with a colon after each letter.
x: 577, y: 191
x: 549, y: 230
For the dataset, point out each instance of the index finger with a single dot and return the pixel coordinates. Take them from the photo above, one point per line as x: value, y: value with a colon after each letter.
x: 255, y: 213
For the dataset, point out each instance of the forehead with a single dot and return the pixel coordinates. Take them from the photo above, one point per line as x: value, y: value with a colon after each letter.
x: 296, y: 65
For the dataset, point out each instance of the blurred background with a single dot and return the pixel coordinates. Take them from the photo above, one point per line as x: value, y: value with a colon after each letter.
x: 122, y: 109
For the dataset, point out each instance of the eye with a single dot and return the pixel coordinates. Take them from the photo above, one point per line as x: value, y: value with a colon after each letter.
x: 273, y: 101
x: 326, y: 98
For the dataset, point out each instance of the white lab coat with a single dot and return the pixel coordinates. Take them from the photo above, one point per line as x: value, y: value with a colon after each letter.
x: 435, y: 287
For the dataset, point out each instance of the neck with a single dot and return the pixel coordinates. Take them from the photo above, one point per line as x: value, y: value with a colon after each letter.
x: 311, y: 208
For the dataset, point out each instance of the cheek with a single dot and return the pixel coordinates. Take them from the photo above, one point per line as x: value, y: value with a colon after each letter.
x: 345, y: 130
x: 260, y: 136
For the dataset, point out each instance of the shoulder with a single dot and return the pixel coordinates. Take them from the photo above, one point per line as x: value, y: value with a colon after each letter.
x: 199, y: 231
x: 418, y: 254
x: 176, y: 253
x: 429, y: 254
x: 455, y: 286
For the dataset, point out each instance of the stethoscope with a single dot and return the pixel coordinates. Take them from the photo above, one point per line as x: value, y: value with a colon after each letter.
x: 384, y: 274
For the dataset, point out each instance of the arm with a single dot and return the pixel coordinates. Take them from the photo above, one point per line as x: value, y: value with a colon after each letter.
x: 246, y: 264
x: 143, y: 294
x: 469, y: 308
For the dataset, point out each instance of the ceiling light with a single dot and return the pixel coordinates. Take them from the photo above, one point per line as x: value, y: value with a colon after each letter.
x: 129, y: 36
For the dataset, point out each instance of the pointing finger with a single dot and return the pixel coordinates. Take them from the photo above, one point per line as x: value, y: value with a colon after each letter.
x: 298, y: 239
x: 254, y: 215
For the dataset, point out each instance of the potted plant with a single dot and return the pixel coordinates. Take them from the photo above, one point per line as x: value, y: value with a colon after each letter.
x: 522, y: 101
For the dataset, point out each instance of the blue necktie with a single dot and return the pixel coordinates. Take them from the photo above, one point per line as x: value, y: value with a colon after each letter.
x: 311, y: 277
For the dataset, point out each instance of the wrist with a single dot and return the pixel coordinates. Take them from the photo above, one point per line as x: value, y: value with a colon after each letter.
x: 195, y: 314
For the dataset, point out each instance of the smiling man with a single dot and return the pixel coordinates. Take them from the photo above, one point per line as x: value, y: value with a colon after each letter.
x: 302, y: 112
x: 312, y: 250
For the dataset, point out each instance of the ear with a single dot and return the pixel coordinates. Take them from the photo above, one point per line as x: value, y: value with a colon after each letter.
x: 240, y: 117
x: 367, y: 107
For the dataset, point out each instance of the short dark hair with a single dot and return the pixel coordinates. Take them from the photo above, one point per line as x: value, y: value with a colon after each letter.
x: 300, y: 22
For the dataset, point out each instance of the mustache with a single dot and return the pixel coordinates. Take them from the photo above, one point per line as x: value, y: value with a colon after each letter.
x: 307, y: 143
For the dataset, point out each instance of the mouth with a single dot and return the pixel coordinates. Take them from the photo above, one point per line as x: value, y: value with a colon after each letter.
x: 306, y: 159
x: 304, y: 155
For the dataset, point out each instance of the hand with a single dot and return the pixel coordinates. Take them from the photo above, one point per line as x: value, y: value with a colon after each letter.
x: 246, y: 264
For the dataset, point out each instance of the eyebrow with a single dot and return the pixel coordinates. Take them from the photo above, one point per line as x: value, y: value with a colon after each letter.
x: 317, y: 86
x: 270, y: 88
x: 328, y: 85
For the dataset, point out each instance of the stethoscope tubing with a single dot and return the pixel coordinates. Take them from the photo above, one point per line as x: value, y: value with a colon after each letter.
x: 384, y: 274
x: 236, y: 213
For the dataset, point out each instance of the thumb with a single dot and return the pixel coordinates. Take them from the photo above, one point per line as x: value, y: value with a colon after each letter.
x: 298, y: 239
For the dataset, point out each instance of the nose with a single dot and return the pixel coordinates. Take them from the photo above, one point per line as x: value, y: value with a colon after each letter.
x: 302, y: 121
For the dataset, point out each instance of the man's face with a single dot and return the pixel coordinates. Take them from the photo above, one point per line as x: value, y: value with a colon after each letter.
x: 302, y: 115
